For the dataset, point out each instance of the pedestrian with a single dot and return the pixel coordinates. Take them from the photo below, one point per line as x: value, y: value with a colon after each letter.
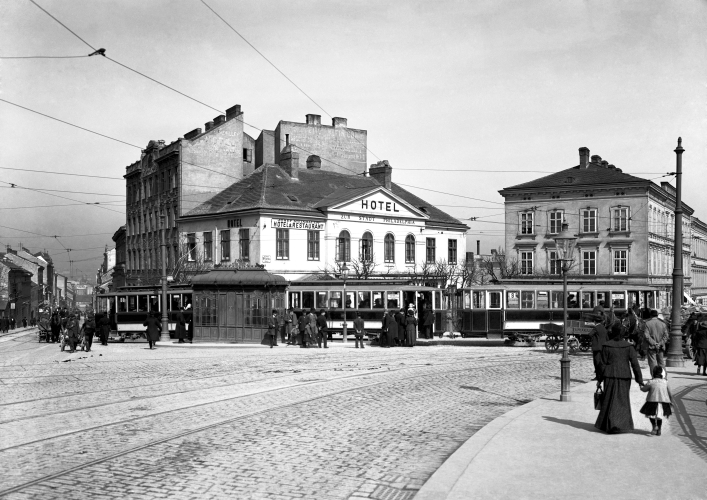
x: 658, y: 400
x: 189, y: 317
x: 104, y: 329
x: 410, y: 329
x: 152, y: 332
x: 24, y: 322
x: 359, y: 329
x: 322, y: 328
x: 618, y: 359
x: 390, y: 329
x: 272, y: 329
x: 290, y: 331
x: 302, y: 323
x: 12, y: 323
x: 699, y: 343
x: 656, y: 336
x: 89, y: 329
x: 428, y: 323
x: 72, y: 332
x: 312, y: 330
x: 181, y: 332
x: 600, y: 335
x: 400, y: 320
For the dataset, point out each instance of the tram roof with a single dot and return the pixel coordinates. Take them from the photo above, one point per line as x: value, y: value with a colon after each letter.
x: 238, y: 277
x: 571, y: 286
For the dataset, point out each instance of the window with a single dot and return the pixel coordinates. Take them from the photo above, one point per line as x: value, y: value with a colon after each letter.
x: 208, y: 246
x: 431, y: 247
x: 527, y: 300
x: 589, y: 220
x: 620, y: 219
x: 366, y: 253
x: 225, y: 246
x: 526, y: 223
x: 191, y: 247
x: 513, y: 299
x: 410, y: 249
x: 555, y: 221
x: 526, y: 263
x: 589, y: 262
x: 478, y: 300
x: 452, y: 252
x: 282, y: 242
x: 543, y: 300
x: 174, y: 221
x: 244, y: 243
x: 378, y: 300
x: 312, y: 245
x: 620, y: 261
x: 364, y: 300
x: 389, y: 248
x: 494, y: 300
x: 343, y: 247
x: 247, y: 155
x: 554, y: 265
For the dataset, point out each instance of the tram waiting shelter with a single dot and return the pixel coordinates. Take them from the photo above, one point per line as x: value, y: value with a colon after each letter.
x: 234, y: 305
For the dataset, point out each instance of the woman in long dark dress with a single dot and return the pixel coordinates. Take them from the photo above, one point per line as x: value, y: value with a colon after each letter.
x: 618, y: 359
x: 699, y: 346
x: 154, y: 327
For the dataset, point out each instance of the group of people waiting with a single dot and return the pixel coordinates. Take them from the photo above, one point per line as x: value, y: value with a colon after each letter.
x: 615, y: 359
x: 7, y: 324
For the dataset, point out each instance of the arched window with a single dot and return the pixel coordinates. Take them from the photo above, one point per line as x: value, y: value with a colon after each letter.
x: 366, y: 253
x: 343, y: 247
x: 410, y: 249
x: 389, y: 248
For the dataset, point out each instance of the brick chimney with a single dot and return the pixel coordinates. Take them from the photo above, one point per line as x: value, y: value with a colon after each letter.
x: 314, y: 162
x: 314, y: 119
x: 219, y: 120
x: 382, y: 172
x: 583, y: 157
x: 233, y: 111
x: 596, y: 159
x: 337, y: 122
x: 192, y: 134
x: 208, y: 126
x: 289, y: 159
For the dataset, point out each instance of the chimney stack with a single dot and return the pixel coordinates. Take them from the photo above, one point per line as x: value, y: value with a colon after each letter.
x: 219, y: 120
x: 605, y: 164
x: 192, y: 134
x: 596, y: 159
x: 233, y: 111
x: 289, y: 159
x: 314, y: 162
x: 314, y: 119
x: 337, y: 122
x: 583, y: 157
x: 208, y: 126
x: 382, y: 172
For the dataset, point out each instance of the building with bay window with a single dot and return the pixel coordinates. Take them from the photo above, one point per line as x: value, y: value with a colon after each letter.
x: 625, y: 227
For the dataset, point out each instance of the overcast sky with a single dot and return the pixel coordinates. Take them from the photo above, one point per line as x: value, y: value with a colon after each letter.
x: 496, y: 85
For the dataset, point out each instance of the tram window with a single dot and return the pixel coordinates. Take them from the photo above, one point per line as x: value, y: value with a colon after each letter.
x: 154, y: 303
x: 479, y: 300
x: 122, y: 304
x: 393, y: 301
x: 142, y: 303
x: 633, y: 298
x: 494, y: 300
x: 587, y: 300
x: 618, y: 299
x: 557, y: 300
x: 350, y: 300
x: 364, y: 300
x: 458, y: 299
x: 295, y: 300
x: 527, y: 300
x: 186, y: 300
x: 572, y: 300
x: 543, y: 300
x: 378, y: 300
x: 603, y: 299
x: 132, y: 303
x: 174, y: 301
x: 321, y: 299
x: 307, y: 300
x: 467, y: 299
x: 437, y: 300
x: 335, y: 300
x: 513, y: 299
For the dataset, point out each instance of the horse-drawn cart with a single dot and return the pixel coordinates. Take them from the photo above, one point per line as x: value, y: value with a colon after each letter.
x: 579, y: 336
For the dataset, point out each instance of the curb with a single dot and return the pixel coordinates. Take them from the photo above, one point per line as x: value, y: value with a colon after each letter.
x: 445, y: 478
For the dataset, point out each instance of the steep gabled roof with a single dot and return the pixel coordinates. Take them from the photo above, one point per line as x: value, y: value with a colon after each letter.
x: 594, y: 174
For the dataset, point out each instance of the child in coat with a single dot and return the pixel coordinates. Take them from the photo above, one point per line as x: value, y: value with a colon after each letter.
x: 658, y: 400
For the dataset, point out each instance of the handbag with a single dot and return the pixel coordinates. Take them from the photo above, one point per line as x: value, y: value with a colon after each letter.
x: 598, y: 398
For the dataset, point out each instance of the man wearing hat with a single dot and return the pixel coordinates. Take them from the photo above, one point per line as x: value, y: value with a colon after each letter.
x: 322, y: 327
x: 600, y: 336
x: 656, y: 334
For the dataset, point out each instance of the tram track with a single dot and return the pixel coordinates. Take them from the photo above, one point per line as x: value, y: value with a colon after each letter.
x: 233, y: 419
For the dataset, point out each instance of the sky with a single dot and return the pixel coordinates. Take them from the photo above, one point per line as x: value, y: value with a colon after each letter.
x: 438, y: 85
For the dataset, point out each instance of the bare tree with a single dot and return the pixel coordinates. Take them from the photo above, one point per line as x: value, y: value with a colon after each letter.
x: 364, y: 268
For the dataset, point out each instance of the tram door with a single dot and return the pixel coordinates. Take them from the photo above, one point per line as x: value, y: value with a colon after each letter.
x: 423, y: 302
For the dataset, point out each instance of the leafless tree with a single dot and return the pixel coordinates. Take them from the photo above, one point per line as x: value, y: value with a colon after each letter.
x: 364, y: 269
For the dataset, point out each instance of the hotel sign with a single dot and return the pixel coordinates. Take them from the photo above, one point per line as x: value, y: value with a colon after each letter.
x: 297, y: 224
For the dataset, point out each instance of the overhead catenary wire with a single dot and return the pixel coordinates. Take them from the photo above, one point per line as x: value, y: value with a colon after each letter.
x: 54, y: 172
x: 17, y: 186
x: 43, y: 57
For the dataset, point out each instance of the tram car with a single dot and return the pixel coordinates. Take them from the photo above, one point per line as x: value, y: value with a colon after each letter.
x: 128, y: 308
x: 516, y: 307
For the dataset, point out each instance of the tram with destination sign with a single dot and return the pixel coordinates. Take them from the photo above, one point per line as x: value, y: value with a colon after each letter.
x: 129, y: 306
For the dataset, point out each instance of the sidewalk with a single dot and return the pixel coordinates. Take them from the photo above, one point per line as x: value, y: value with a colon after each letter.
x: 547, y: 449
x: 338, y: 344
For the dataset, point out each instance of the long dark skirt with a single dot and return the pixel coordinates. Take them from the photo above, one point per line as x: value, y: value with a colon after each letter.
x: 615, y: 413
x: 701, y: 357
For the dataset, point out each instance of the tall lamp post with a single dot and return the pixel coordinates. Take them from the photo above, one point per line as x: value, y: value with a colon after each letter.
x: 164, y: 337
x: 564, y: 244
x: 345, y: 274
x: 675, y: 357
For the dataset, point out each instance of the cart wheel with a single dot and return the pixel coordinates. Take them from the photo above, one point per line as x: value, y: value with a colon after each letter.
x: 548, y: 344
x: 573, y: 344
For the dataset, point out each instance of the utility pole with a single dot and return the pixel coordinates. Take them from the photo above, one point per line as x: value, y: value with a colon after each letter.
x: 164, y: 337
x: 675, y: 356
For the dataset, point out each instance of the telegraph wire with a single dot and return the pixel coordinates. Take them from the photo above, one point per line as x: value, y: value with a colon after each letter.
x: 505, y: 171
x: 65, y: 26
x: 17, y: 186
x: 43, y: 57
x: 110, y: 203
x: 61, y: 173
x: 12, y: 185
x: 450, y: 194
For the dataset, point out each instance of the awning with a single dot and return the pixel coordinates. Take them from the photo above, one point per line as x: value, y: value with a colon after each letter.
x: 689, y: 299
x: 238, y: 277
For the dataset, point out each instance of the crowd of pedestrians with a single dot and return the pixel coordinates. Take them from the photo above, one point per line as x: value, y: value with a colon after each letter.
x: 7, y: 324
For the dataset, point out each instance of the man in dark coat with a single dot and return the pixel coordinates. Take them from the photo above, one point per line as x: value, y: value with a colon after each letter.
x: 12, y: 323
x: 618, y: 360
x: 289, y: 330
x: 400, y: 320
x: 428, y: 324
x: 359, y: 329
x: 656, y: 336
x: 89, y: 329
x: 323, y: 329
x: 72, y: 332
x: 302, y: 326
x: 3, y: 324
x: 104, y: 329
x: 390, y: 327
x: 181, y: 326
x: 190, y: 323
x: 600, y: 336
x: 272, y: 329
x: 154, y: 327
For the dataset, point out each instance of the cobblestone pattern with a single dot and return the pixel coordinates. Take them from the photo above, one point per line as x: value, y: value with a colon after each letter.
x: 372, y: 441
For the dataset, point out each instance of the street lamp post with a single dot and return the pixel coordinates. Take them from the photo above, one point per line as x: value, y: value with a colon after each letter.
x: 675, y: 357
x: 164, y: 337
x: 345, y: 274
x: 564, y: 244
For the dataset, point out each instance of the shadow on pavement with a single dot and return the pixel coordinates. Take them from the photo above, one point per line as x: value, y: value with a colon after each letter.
x: 585, y: 426
x: 690, y: 406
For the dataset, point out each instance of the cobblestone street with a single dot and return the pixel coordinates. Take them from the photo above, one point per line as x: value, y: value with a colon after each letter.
x: 250, y: 422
